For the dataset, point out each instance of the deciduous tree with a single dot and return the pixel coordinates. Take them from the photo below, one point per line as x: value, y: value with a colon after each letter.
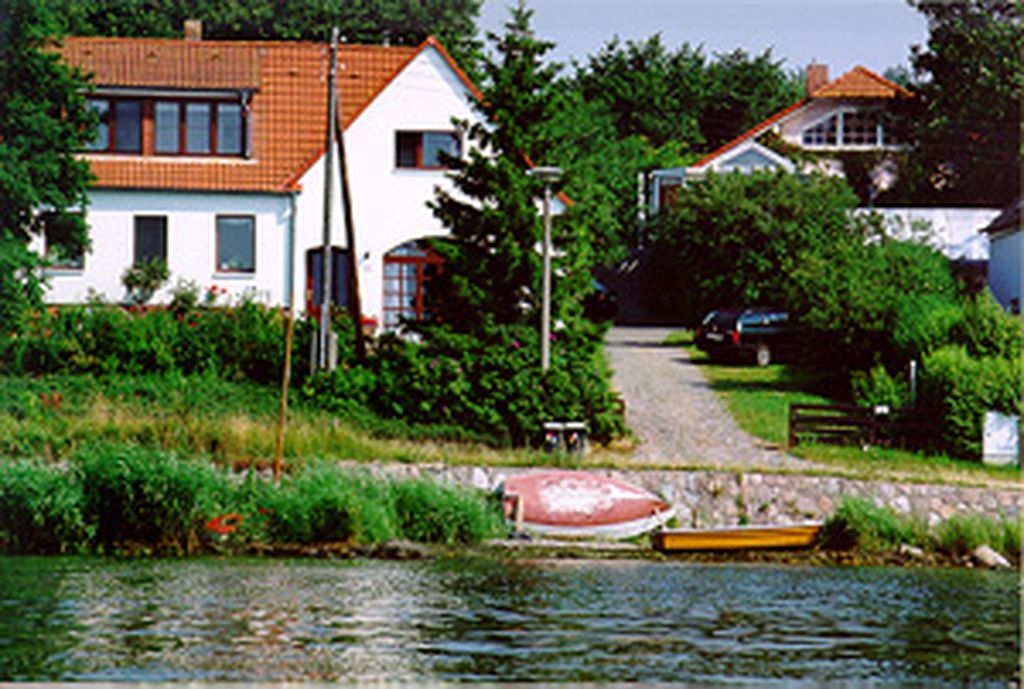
x: 401, y: 22
x: 43, y: 122
x: 966, y: 118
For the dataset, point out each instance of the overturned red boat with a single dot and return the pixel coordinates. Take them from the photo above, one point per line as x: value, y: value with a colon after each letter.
x: 578, y: 504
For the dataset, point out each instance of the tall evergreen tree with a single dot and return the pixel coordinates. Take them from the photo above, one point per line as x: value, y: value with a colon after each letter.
x: 492, y: 272
x: 44, y: 120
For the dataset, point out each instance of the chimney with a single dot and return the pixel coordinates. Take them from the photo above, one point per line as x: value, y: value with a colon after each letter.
x: 193, y: 29
x: 817, y: 76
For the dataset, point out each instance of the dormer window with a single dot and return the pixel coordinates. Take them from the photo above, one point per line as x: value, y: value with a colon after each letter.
x: 169, y: 126
x: 851, y: 129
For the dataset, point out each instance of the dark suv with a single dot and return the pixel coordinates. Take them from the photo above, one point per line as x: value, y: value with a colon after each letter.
x: 757, y: 334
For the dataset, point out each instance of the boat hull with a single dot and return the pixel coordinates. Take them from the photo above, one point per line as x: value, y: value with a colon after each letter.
x: 737, y: 538
x: 577, y: 504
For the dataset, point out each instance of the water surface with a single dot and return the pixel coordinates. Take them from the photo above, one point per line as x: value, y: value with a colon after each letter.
x: 479, y: 619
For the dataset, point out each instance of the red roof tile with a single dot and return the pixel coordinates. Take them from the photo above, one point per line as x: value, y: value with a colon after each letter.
x: 289, y: 104
x: 861, y: 82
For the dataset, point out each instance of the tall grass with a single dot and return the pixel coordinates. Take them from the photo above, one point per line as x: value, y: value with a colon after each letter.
x: 40, y: 510
x: 115, y: 499
x: 235, y: 423
x: 960, y: 534
x: 861, y: 524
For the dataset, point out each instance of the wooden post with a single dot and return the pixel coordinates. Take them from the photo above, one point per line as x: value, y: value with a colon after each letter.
x: 288, y: 337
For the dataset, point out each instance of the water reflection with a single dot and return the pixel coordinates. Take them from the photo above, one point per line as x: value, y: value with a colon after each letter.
x: 462, y: 619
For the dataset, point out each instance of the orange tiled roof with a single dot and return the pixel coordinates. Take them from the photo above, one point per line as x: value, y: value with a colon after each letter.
x: 861, y: 82
x: 289, y: 105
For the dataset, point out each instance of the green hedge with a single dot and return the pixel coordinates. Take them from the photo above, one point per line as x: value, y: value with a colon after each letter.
x: 244, y: 341
x: 958, y: 388
x: 489, y: 385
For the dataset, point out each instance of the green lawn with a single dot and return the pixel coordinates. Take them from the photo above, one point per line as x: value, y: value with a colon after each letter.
x: 759, y: 399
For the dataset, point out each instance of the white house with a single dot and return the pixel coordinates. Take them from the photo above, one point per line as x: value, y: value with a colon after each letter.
x: 850, y: 113
x: 210, y: 156
x: 1005, y: 277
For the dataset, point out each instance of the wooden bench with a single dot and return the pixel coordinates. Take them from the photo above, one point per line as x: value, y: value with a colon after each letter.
x: 847, y: 424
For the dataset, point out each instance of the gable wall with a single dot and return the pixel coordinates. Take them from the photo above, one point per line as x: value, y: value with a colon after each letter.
x: 389, y: 205
x: 1004, y: 269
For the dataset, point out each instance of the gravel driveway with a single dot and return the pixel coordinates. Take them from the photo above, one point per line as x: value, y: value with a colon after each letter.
x: 672, y: 410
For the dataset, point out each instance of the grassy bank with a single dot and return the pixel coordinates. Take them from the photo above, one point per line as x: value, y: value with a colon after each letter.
x: 759, y: 397
x: 232, y: 423
x: 115, y: 500
x: 132, y: 501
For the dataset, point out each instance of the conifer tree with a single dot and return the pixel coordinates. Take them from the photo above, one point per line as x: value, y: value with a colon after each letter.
x: 492, y: 274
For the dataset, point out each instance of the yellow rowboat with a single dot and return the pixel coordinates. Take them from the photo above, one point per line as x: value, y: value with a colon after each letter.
x: 737, y: 537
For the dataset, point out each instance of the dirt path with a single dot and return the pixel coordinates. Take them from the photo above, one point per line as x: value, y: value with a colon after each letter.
x: 674, y: 413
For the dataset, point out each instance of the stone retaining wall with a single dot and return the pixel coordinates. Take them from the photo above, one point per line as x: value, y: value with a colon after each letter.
x: 720, y: 498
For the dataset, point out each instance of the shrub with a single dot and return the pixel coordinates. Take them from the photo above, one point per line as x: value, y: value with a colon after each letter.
x: 924, y: 322
x: 489, y: 383
x: 142, y: 280
x: 987, y: 330
x: 850, y: 297
x: 957, y: 389
x: 737, y: 239
x: 876, y: 387
x: 144, y: 497
x: 244, y: 341
x: 40, y: 510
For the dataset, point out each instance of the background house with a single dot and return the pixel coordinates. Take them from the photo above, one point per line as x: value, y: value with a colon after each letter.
x: 850, y: 114
x: 1005, y: 277
x: 210, y: 156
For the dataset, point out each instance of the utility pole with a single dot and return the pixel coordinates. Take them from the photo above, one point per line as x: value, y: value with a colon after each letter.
x: 355, y: 307
x: 323, y: 360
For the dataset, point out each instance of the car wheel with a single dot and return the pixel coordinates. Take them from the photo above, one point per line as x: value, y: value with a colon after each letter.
x: 763, y: 355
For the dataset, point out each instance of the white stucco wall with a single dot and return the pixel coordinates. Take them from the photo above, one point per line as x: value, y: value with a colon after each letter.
x: 191, y: 243
x: 1004, y: 268
x: 954, y: 231
x: 389, y: 204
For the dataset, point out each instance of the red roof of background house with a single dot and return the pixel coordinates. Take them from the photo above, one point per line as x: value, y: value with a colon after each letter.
x: 289, y: 106
x: 859, y: 82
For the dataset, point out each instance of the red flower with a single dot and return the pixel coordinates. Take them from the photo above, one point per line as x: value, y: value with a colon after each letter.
x: 224, y: 524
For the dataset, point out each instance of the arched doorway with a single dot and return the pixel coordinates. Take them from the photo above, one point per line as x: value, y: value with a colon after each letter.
x: 407, y: 272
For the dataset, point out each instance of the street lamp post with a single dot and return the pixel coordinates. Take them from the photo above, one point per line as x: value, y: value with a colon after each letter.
x: 549, y: 176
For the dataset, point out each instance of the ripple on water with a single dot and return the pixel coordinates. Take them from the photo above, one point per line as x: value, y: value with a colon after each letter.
x: 468, y: 619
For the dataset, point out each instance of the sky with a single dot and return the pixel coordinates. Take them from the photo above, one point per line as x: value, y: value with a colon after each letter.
x: 837, y: 33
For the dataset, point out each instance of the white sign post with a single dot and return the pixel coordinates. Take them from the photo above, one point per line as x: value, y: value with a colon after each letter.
x: 1001, y: 445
